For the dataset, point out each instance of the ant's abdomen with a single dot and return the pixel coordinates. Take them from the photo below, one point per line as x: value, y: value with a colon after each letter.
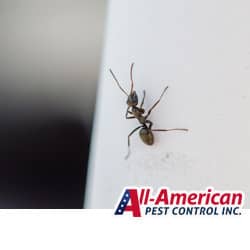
x: 147, y: 136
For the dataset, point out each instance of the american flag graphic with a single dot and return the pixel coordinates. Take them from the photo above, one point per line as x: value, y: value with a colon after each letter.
x: 123, y: 203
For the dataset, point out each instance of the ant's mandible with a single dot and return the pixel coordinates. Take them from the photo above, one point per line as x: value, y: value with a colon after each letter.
x: 146, y: 131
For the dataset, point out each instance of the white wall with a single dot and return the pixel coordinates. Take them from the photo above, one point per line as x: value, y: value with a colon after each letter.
x: 201, y: 49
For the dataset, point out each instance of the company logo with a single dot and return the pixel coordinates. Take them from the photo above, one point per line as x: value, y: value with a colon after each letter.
x: 142, y: 202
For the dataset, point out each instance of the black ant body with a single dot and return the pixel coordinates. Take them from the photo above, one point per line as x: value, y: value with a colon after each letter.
x: 146, y: 131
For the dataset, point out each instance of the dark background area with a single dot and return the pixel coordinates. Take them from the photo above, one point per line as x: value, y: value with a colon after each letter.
x: 50, y: 53
x: 43, y: 163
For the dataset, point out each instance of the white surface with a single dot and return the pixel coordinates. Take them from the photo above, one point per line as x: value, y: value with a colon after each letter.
x: 201, y: 49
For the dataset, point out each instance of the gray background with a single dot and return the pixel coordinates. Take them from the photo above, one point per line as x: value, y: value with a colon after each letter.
x: 49, y: 57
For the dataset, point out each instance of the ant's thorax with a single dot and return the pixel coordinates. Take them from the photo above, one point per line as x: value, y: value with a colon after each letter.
x: 138, y: 113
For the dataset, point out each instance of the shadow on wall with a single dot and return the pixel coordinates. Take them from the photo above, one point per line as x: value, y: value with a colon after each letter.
x: 43, y: 163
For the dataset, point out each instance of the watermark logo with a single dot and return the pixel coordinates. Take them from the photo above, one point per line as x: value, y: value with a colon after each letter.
x: 143, y: 202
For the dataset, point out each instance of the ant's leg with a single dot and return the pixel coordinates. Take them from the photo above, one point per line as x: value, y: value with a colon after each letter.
x: 171, y: 129
x: 129, y: 112
x: 126, y: 157
x: 144, y: 94
x: 156, y: 102
x: 130, y: 117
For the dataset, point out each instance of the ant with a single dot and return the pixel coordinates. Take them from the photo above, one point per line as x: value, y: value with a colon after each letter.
x: 146, y: 131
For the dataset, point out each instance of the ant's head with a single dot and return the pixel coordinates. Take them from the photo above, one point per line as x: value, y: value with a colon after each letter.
x: 132, y: 99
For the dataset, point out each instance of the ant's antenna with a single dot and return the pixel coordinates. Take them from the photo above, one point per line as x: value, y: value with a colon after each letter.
x: 118, y: 82
x: 131, y: 78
